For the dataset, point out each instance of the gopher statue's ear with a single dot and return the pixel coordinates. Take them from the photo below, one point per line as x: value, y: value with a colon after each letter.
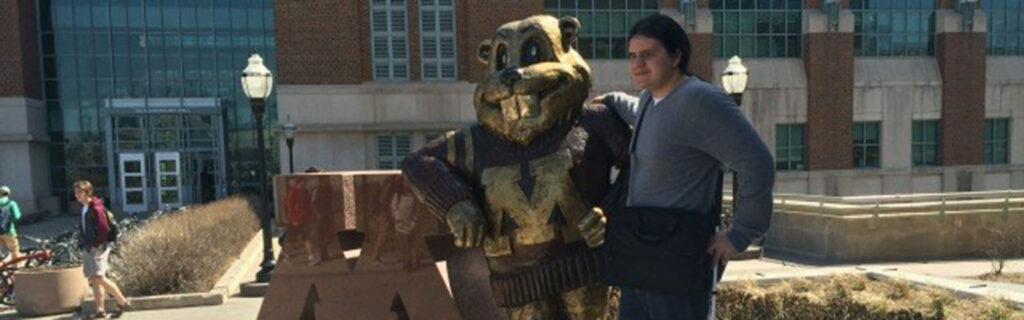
x: 484, y: 52
x: 570, y: 28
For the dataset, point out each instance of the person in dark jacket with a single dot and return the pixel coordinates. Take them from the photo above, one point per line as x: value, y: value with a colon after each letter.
x: 93, y: 236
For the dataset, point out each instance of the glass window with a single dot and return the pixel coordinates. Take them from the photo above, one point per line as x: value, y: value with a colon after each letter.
x: 789, y: 147
x: 901, y: 28
x: 762, y: 28
x: 867, y: 145
x: 392, y: 148
x: 103, y: 49
x: 925, y: 143
x: 437, y: 39
x: 1005, y: 27
x: 605, y: 25
x: 389, y: 48
x: 997, y: 141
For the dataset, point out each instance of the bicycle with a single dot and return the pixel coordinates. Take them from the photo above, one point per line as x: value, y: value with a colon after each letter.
x: 58, y: 251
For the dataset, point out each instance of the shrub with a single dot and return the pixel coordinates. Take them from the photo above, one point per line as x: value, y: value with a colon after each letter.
x: 184, y: 251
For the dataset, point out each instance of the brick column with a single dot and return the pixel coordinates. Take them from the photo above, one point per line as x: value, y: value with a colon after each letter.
x: 700, y: 37
x: 828, y: 63
x: 413, y: 28
x: 961, y: 58
x: 19, y: 50
x: 322, y: 41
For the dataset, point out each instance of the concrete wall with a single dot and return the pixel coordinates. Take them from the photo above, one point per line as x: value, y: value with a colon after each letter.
x: 25, y: 154
x: 1004, y: 98
x: 900, y: 237
x: 896, y: 91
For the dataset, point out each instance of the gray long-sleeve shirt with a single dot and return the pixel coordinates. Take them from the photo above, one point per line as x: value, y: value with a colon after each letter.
x: 680, y: 146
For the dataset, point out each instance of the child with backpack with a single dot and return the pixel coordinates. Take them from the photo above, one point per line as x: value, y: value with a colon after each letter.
x: 10, y: 213
x: 98, y: 228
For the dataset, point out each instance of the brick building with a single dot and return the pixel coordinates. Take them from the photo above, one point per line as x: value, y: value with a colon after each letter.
x: 870, y: 97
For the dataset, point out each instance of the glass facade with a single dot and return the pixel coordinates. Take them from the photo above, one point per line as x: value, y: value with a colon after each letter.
x: 761, y: 28
x: 96, y: 52
x: 606, y: 23
x: 925, y: 145
x: 893, y: 27
x: 1005, y: 26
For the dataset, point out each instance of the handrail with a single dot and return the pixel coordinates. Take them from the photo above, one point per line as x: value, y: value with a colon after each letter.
x: 941, y: 203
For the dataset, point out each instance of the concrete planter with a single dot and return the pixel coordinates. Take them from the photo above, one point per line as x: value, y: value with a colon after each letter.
x: 49, y: 291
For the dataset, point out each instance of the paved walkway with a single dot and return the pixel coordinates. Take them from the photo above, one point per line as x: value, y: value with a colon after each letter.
x: 248, y: 308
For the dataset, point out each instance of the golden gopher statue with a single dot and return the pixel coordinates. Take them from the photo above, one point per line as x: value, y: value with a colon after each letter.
x: 521, y: 183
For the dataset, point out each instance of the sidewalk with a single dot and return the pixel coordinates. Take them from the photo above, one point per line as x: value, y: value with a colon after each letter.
x: 248, y: 308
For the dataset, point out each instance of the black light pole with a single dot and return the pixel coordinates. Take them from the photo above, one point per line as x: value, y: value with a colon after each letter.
x: 734, y: 82
x: 257, y: 82
x: 289, y: 137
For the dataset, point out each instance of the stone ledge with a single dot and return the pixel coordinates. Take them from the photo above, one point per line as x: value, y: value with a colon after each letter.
x: 254, y: 289
x: 961, y: 288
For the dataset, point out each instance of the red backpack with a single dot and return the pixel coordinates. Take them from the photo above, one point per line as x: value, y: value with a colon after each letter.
x: 102, y: 225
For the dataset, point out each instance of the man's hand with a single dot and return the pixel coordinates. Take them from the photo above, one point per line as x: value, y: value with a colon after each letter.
x: 720, y: 249
x: 597, y: 100
x: 467, y: 223
x: 592, y: 227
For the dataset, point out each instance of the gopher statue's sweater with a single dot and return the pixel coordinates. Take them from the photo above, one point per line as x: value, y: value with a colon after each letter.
x: 533, y: 197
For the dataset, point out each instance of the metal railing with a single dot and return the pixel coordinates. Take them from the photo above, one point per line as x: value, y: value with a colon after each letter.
x: 924, y: 203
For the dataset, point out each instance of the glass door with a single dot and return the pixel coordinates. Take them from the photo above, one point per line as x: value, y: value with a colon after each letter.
x: 133, y: 181
x: 168, y: 177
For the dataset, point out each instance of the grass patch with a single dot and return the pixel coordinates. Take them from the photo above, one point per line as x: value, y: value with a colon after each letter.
x: 184, y: 252
x: 854, y: 297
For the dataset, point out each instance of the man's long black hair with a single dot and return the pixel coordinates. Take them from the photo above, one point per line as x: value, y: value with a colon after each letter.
x: 668, y: 33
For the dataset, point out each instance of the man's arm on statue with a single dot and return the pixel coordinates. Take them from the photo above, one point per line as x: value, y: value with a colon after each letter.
x: 625, y: 105
x: 601, y: 120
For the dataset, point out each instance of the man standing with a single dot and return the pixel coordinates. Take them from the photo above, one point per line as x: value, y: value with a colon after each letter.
x: 94, y: 230
x: 684, y: 130
x: 10, y: 213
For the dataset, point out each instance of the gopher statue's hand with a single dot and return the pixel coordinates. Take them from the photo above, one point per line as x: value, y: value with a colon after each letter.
x: 467, y: 223
x: 592, y: 227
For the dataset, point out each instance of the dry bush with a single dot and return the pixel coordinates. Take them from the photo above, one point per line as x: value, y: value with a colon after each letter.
x: 1006, y: 244
x: 854, y: 297
x: 184, y: 251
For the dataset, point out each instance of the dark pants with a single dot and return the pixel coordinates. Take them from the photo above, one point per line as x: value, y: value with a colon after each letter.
x: 649, y: 305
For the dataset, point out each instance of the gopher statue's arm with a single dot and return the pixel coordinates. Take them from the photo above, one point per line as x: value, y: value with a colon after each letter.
x: 437, y: 181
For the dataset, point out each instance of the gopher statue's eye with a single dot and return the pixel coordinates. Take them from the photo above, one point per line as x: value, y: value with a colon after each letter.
x: 531, y: 53
x: 501, y: 60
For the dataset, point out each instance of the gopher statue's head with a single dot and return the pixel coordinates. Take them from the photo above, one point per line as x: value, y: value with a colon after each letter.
x: 536, y: 80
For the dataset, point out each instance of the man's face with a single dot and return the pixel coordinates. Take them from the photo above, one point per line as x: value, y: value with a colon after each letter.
x: 81, y: 196
x: 649, y: 62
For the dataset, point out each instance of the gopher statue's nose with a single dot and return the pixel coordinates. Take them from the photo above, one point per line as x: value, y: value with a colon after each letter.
x: 509, y: 76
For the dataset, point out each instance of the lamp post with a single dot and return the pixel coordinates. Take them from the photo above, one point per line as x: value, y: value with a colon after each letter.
x: 734, y: 79
x: 289, y: 138
x: 734, y: 82
x: 257, y: 82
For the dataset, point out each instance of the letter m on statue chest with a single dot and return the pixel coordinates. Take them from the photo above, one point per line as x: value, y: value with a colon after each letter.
x: 532, y: 202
